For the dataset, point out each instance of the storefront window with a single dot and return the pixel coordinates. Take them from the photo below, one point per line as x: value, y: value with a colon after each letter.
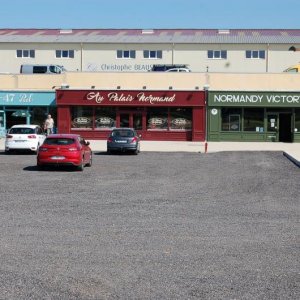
x: 39, y: 114
x: 82, y: 117
x: 105, y: 117
x: 297, y: 120
x: 157, y: 119
x: 254, y: 119
x: 180, y: 118
x: 231, y: 119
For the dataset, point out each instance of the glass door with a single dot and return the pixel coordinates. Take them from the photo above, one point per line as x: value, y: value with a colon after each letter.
x: 131, y: 119
x: 125, y: 120
x: 137, y: 121
x: 272, y: 127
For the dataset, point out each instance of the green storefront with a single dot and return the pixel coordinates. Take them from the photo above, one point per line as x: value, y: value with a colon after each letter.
x: 253, y: 116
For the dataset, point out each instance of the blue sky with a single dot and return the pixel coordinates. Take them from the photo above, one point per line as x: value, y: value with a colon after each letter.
x: 150, y: 14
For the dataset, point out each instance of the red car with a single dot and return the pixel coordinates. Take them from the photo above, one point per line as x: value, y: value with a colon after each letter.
x: 64, y: 150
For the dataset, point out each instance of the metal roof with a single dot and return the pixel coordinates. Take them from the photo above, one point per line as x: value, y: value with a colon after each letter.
x: 150, y: 36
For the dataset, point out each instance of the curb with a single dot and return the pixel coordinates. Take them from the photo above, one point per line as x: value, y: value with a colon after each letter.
x: 292, y: 159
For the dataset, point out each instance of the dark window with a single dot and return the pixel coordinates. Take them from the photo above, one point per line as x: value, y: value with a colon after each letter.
x: 256, y: 54
x: 40, y: 69
x: 59, y: 141
x: 217, y: 54
x: 231, y: 119
x: 254, y: 119
x: 180, y: 118
x: 22, y: 131
x: 157, y: 118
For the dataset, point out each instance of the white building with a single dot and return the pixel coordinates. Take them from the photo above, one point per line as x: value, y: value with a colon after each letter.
x: 136, y: 50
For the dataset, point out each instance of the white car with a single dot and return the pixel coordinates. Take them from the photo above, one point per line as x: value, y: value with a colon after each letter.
x: 24, y: 137
x: 179, y: 70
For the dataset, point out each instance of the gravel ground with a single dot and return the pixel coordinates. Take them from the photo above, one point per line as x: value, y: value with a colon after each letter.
x: 152, y: 226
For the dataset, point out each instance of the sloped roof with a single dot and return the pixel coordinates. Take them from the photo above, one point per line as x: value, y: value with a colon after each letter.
x: 140, y: 36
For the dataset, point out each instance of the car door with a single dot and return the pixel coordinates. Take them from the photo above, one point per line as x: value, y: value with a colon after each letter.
x: 41, y: 135
x: 85, y: 150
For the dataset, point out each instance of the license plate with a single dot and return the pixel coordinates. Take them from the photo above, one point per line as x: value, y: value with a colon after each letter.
x: 120, y: 141
x: 58, y: 157
x: 18, y: 141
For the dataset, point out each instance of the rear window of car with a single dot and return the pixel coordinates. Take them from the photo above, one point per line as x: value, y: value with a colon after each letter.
x: 59, y: 141
x: 122, y: 133
x: 22, y: 131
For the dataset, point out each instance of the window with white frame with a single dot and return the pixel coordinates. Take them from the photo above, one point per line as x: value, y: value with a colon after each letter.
x: 26, y: 53
x: 126, y: 54
x: 217, y: 54
x: 64, y: 53
x: 256, y: 54
x: 153, y: 54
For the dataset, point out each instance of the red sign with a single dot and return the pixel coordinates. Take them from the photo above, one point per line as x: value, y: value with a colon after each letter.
x: 128, y: 98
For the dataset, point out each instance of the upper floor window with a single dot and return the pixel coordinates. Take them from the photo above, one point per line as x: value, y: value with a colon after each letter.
x: 217, y: 54
x: 125, y: 53
x: 153, y: 54
x: 257, y: 54
x: 26, y: 53
x: 64, y: 53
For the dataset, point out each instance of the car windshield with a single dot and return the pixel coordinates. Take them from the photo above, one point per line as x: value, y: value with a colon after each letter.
x: 21, y: 130
x: 59, y: 141
x: 122, y: 133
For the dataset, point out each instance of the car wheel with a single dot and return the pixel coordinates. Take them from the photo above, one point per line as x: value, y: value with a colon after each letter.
x: 40, y: 167
x: 81, y: 166
x: 89, y: 164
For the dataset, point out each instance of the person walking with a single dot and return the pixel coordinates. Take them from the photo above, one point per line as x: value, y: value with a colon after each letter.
x: 49, y: 124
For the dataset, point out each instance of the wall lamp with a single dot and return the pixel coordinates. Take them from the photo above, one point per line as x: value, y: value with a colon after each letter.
x: 170, y: 88
x: 144, y: 87
x: 64, y: 86
x: 92, y: 87
x: 196, y: 87
x: 118, y: 87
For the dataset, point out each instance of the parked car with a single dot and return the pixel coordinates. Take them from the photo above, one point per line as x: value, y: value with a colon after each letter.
x: 42, y: 69
x: 179, y: 70
x: 24, y: 137
x: 123, y: 139
x: 165, y: 68
x: 293, y: 69
x: 65, y: 150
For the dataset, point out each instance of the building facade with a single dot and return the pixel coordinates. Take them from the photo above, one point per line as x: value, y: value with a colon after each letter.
x: 254, y: 116
x: 156, y: 115
x: 25, y: 107
x: 136, y: 50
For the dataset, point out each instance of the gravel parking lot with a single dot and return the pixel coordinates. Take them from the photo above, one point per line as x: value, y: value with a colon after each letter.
x: 152, y: 226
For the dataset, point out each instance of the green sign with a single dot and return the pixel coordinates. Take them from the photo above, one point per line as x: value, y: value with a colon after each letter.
x: 254, y: 99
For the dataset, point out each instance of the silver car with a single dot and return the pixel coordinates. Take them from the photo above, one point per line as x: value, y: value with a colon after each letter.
x: 24, y: 137
x: 123, y: 139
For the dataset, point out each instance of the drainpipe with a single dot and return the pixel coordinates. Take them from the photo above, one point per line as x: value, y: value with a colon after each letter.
x: 267, y: 58
x: 81, y: 50
x: 173, y: 46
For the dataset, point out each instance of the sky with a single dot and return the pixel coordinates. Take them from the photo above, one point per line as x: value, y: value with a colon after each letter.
x: 150, y: 14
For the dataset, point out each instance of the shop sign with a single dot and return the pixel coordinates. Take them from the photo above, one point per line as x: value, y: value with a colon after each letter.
x: 267, y: 99
x: 27, y: 98
x: 141, y: 97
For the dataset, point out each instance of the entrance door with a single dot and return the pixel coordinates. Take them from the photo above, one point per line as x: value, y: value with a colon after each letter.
x: 285, y: 128
x: 279, y: 127
x: 2, y: 124
x: 272, y: 127
x: 132, y: 120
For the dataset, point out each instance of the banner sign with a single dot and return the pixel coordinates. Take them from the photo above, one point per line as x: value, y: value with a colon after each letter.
x: 254, y: 99
x: 131, y: 98
x: 11, y: 98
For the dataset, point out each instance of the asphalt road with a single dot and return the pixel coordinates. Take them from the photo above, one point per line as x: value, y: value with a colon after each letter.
x: 152, y: 226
